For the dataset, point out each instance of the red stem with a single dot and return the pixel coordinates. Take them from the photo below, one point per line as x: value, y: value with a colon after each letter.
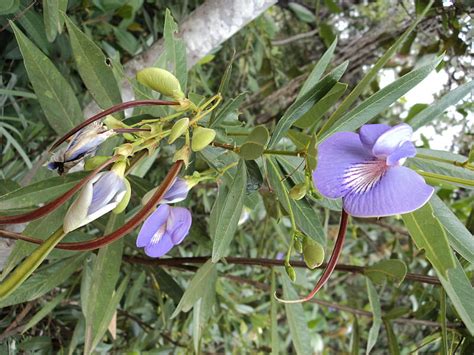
x: 120, y: 107
x: 51, y: 206
x: 117, y: 234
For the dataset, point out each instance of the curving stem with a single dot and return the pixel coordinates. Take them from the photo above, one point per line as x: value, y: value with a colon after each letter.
x: 120, y: 107
x: 331, y: 265
x: 117, y: 234
x: 51, y: 206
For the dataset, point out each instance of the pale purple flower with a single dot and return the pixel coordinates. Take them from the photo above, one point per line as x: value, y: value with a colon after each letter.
x: 83, y: 143
x: 176, y: 193
x: 163, y: 229
x: 100, y: 196
x: 366, y: 170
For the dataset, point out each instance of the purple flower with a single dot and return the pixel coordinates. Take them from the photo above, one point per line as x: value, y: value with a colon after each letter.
x: 100, y: 196
x: 365, y: 170
x: 83, y: 143
x: 176, y: 193
x: 163, y: 229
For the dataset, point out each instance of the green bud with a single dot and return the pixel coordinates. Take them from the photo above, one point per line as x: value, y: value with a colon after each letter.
x: 162, y: 81
x: 290, y: 271
x: 111, y: 122
x: 313, y: 253
x: 298, y: 246
x: 178, y: 129
x: 298, y: 191
x: 125, y: 149
x: 125, y: 200
x: 202, y: 137
x: 94, y: 162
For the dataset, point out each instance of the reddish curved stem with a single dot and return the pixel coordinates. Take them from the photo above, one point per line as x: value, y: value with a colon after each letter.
x: 117, y: 234
x: 331, y: 265
x: 51, y: 206
x: 113, y: 109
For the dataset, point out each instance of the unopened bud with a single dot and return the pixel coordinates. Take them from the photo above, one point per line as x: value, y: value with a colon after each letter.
x: 178, y: 129
x: 298, y: 191
x: 202, y: 137
x: 183, y: 154
x: 94, y: 162
x: 313, y: 253
x: 125, y: 149
x: 290, y: 271
x: 112, y: 123
x: 298, y: 246
x: 162, y: 81
x: 125, y: 200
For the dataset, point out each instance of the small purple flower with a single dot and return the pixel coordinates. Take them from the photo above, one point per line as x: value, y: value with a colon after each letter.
x: 365, y: 170
x: 176, y: 193
x: 163, y: 229
x: 83, y: 143
x: 100, y: 196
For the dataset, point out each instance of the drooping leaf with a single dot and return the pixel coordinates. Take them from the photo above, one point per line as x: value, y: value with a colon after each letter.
x: 377, y: 315
x: 55, y: 95
x: 93, y: 69
x: 228, y: 214
x: 204, y: 279
x: 175, y: 50
x: 428, y: 234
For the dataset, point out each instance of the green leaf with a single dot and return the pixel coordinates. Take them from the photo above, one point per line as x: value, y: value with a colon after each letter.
x: 458, y: 235
x: 355, y: 337
x: 204, y: 279
x: 377, y: 315
x: 306, y: 217
x: 93, y: 69
x: 168, y: 285
x: 175, y: 50
x: 40, y: 192
x: 229, y: 107
x: 228, y: 214
x: 44, y: 311
x: 254, y: 145
x: 370, y: 76
x: 459, y: 290
x: 441, y: 162
x: 51, y: 18
x: 9, y: 7
x: 296, y: 320
x: 437, y: 108
x: 378, y: 102
x: 202, y: 311
x: 393, y: 268
x: 32, y: 23
x: 44, y: 280
x: 305, y: 103
x: 428, y: 234
x: 302, y: 12
x: 322, y: 106
x: 274, y: 317
x: 391, y: 337
x: 55, y: 95
x: 96, y: 294
x: 326, y: 33
x: 318, y: 70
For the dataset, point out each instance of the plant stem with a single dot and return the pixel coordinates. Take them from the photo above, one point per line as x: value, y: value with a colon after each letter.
x: 446, y: 178
x: 266, y: 151
x: 465, y: 165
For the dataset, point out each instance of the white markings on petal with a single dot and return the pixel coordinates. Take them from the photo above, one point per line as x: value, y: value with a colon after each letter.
x: 360, y: 178
x: 158, y: 235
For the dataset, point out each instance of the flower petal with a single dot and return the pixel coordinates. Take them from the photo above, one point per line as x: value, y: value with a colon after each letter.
x: 177, y: 192
x: 76, y: 214
x: 389, y: 141
x: 335, y: 155
x: 406, y: 150
x: 369, y: 134
x: 160, y: 248
x: 105, y: 190
x: 399, y: 191
x: 178, y: 224
x: 152, y: 224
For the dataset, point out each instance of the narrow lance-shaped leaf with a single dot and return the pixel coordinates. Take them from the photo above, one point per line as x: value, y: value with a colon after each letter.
x: 175, y: 50
x: 228, y: 215
x: 93, y: 69
x: 55, y: 95
x: 379, y: 101
x: 377, y: 315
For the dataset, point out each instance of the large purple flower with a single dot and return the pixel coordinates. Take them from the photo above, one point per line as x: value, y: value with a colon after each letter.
x: 366, y: 170
x: 163, y: 229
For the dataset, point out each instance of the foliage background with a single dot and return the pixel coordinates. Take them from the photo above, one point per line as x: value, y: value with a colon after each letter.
x: 272, y: 57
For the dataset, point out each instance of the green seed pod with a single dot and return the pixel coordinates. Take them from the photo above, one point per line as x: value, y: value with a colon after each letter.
x: 313, y: 253
x: 162, y: 81
x: 178, y: 129
x: 298, y: 246
x: 290, y: 271
x: 202, y: 137
x: 298, y: 191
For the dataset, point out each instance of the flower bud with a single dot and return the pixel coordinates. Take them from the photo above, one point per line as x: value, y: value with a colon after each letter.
x: 96, y: 161
x: 178, y: 129
x: 202, y: 137
x: 183, y: 154
x: 112, y: 123
x: 298, y: 191
x: 313, y: 253
x: 290, y: 271
x: 125, y: 199
x: 162, y: 81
